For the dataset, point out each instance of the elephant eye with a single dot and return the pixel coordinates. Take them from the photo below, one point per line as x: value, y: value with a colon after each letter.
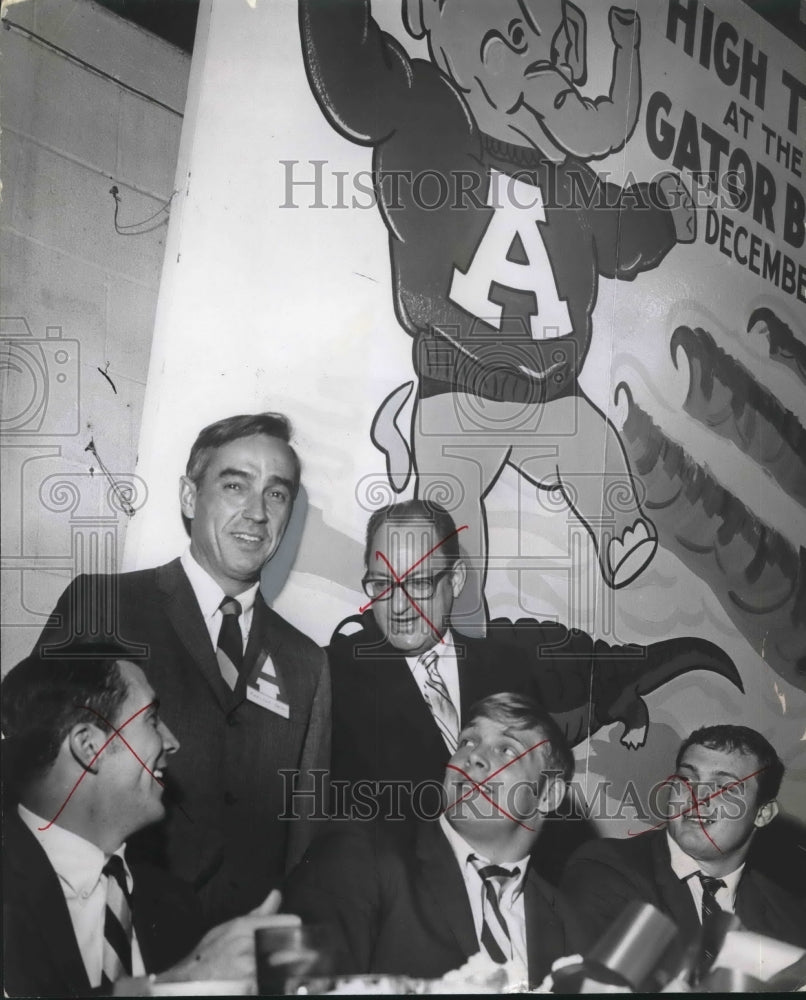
x: 517, y: 36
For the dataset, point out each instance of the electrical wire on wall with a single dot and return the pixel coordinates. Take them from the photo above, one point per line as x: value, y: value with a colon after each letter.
x: 136, y: 228
x: 121, y: 490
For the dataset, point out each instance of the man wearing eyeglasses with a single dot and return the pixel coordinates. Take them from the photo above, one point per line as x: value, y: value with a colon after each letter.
x: 402, y: 679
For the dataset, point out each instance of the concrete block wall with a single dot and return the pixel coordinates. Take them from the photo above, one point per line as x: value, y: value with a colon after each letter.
x: 87, y: 102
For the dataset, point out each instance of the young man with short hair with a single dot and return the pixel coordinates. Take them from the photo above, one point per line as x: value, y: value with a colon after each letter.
x: 466, y: 883
x: 722, y: 794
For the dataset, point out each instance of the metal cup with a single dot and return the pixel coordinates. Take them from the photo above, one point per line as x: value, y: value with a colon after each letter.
x: 731, y: 981
x: 634, y: 946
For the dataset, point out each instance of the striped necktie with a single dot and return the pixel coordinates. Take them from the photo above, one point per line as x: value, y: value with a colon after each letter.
x: 709, y: 943
x: 439, y: 701
x: 117, y: 954
x: 229, y: 651
x: 495, y: 937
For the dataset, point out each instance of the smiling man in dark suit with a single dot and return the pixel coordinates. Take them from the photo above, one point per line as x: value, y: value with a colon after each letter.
x: 722, y: 797
x: 84, y: 760
x: 403, y: 680
x: 246, y: 693
x: 464, y: 884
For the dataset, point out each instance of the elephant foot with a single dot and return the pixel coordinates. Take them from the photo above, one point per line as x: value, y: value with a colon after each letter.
x: 628, y: 556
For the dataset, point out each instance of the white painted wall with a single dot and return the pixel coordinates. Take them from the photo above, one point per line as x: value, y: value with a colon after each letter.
x: 69, y: 132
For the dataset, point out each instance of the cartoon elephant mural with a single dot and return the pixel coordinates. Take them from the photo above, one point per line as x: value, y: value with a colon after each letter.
x: 499, y: 231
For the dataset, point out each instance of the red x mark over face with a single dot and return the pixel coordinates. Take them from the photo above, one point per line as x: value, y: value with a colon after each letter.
x: 117, y: 733
x: 478, y: 757
x: 409, y: 606
x: 713, y: 824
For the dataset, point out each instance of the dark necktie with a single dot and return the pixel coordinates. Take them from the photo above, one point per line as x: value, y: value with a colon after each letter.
x: 710, y: 910
x: 495, y: 937
x: 229, y: 651
x: 117, y: 953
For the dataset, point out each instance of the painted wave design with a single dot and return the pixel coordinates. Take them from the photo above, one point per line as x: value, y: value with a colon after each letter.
x: 785, y: 348
x: 755, y: 573
x: 724, y: 396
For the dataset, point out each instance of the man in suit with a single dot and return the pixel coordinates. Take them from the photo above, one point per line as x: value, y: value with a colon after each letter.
x: 466, y: 883
x: 403, y: 680
x: 246, y: 692
x: 84, y: 760
x: 721, y: 797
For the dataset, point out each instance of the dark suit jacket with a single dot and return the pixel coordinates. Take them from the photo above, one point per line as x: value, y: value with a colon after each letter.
x: 400, y: 907
x: 603, y: 876
x: 383, y: 731
x: 41, y: 956
x: 224, y: 793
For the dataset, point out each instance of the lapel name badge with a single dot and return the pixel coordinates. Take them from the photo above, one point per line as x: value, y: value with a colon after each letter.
x: 266, y: 692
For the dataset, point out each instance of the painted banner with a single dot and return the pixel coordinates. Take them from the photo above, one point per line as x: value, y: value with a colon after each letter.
x: 568, y: 303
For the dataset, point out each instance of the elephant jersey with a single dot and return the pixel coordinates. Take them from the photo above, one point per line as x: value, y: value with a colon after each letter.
x: 496, y: 252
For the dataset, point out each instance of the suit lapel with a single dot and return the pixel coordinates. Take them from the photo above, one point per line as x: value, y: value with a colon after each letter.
x: 45, y: 899
x: 185, y: 616
x: 753, y: 907
x: 674, y: 893
x: 399, y: 694
x: 444, y: 896
x: 545, y: 934
x: 385, y: 677
x: 259, y: 642
x: 391, y: 694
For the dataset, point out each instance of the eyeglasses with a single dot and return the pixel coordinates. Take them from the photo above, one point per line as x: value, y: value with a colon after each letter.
x: 418, y: 587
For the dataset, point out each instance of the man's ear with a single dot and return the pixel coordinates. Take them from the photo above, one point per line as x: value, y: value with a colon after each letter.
x: 572, y: 43
x: 458, y: 577
x: 84, y: 741
x: 187, y: 497
x: 413, y: 17
x: 766, y: 814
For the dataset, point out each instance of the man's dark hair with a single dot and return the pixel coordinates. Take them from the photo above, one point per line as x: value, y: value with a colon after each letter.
x: 520, y: 712
x: 222, y: 432
x: 741, y: 739
x: 43, y: 698
x: 415, y: 511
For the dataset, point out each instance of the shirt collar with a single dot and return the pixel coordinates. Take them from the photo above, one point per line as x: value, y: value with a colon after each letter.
x: 78, y: 862
x: 684, y: 866
x: 208, y: 593
x: 462, y: 852
x: 444, y: 650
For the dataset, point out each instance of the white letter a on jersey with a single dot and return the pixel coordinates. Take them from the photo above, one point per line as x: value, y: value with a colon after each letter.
x: 518, y: 207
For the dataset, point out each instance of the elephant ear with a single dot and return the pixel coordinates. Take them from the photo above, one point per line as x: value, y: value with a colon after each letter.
x: 571, y: 43
x: 413, y: 17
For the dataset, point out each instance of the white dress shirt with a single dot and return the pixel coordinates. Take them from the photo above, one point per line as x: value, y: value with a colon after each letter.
x: 448, y: 668
x: 209, y: 596
x: 685, y: 868
x: 511, y: 902
x: 79, y: 865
